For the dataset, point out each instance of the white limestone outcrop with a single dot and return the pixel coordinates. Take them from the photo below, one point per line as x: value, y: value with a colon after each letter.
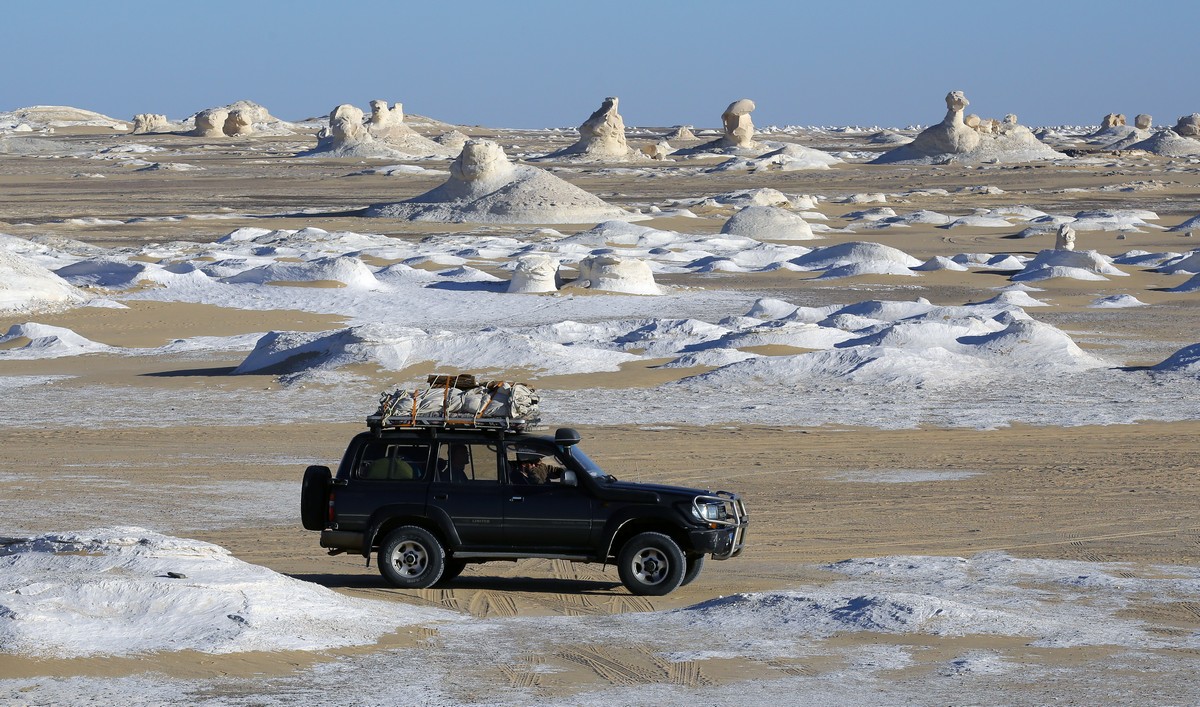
x: 768, y: 222
x: 150, y: 123
x: 484, y: 187
x: 953, y: 140
x: 534, y: 274
x: 681, y: 133
x: 610, y: 273
x: 239, y: 122
x: 601, y: 138
x: 739, y: 128
x: 1065, y: 237
x: 210, y: 122
x: 1189, y: 125
x: 739, y: 134
x: 384, y: 135
x: 238, y: 119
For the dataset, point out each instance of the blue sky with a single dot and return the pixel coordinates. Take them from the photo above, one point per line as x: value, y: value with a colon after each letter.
x: 545, y: 63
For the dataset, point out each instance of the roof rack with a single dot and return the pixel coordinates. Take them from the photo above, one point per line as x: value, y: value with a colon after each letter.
x: 458, y: 401
x: 377, y: 423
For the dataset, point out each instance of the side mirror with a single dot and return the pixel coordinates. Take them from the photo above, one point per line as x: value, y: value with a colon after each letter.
x: 569, y: 478
x: 566, y: 437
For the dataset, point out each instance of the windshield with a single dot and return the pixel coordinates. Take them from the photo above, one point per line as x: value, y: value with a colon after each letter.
x: 585, y: 462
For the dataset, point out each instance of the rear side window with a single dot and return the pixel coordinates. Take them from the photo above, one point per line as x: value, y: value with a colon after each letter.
x: 468, y: 462
x: 387, y: 461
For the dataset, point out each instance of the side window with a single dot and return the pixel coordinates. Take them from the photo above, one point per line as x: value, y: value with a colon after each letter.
x: 530, y: 465
x: 388, y: 461
x: 461, y: 462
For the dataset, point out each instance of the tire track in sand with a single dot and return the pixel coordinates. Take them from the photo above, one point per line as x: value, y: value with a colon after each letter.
x: 611, y: 668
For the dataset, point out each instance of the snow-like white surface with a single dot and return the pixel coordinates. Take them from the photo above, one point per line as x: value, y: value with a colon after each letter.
x: 110, y: 591
x: 526, y: 195
x: 768, y: 222
x: 863, y: 363
x: 907, y: 601
x: 25, y: 285
x: 1074, y: 264
x: 44, y: 341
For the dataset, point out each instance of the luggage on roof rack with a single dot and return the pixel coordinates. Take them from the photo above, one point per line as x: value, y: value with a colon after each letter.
x: 459, y: 401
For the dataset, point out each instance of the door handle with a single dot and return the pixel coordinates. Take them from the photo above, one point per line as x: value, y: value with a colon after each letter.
x: 517, y: 499
x: 441, y: 496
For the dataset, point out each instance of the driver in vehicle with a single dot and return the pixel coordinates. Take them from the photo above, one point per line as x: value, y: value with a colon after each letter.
x: 528, y: 469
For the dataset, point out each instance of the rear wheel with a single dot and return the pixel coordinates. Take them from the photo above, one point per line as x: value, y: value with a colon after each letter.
x: 694, y: 565
x: 314, y: 497
x: 651, y: 564
x: 453, y: 568
x: 411, y: 558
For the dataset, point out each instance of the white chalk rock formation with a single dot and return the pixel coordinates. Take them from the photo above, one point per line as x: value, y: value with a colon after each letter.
x: 1072, y: 264
x: 383, y: 135
x: 601, y: 138
x: 1115, y: 134
x: 452, y: 140
x: 150, y: 123
x: 25, y: 285
x: 237, y: 119
x: 609, y: 273
x: 1143, y: 121
x: 210, y: 122
x: 739, y: 133
x: 789, y: 158
x: 51, y: 117
x: 239, y: 122
x: 658, y: 150
x: 768, y: 222
x: 953, y: 140
x: 1113, y: 120
x: 739, y: 128
x: 681, y: 133
x: 346, y: 126
x: 1189, y: 125
x: 889, y: 137
x: 484, y: 187
x: 1065, y: 238
x: 1169, y: 143
x: 952, y: 136
x: 535, y: 273
x: 385, y: 120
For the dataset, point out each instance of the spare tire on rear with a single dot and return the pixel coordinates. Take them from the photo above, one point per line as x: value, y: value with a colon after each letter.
x: 314, y: 497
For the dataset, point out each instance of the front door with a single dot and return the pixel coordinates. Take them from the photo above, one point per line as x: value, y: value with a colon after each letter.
x: 540, y: 512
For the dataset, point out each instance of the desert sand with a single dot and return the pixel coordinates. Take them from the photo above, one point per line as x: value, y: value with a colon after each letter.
x: 1060, y: 474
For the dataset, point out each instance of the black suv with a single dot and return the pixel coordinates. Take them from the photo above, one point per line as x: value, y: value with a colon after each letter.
x: 431, y: 499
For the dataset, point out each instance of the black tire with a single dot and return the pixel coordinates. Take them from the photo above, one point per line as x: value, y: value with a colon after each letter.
x: 694, y: 565
x: 411, y: 558
x: 451, y: 569
x: 651, y: 564
x: 314, y: 497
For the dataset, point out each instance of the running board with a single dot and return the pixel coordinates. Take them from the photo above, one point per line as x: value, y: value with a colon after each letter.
x: 520, y: 556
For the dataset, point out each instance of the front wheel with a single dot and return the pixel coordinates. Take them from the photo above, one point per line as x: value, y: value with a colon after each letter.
x: 411, y: 558
x: 694, y: 565
x: 651, y: 564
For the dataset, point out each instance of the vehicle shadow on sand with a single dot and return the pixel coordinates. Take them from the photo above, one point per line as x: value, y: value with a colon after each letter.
x: 531, y: 585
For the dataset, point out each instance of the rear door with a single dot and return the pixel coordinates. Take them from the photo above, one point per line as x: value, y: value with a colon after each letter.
x: 466, y: 485
x: 382, y: 472
x: 541, y: 514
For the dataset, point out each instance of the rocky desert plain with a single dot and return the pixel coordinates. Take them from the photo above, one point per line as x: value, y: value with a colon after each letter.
x: 954, y: 372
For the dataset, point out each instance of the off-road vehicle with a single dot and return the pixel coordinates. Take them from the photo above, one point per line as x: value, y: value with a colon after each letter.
x: 430, y: 495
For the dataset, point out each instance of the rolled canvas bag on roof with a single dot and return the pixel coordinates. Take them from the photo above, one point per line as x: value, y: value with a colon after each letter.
x: 495, y: 399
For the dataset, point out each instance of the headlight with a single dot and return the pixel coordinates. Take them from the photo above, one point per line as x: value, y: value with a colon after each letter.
x: 708, y: 511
